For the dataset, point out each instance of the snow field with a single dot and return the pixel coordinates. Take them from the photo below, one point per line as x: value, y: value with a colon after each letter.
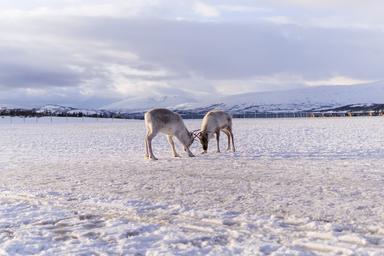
x: 295, y: 186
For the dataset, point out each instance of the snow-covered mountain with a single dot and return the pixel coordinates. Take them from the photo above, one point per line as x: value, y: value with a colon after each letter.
x: 309, y: 98
x: 137, y: 104
x: 52, y: 108
x: 363, y: 97
x: 305, y: 99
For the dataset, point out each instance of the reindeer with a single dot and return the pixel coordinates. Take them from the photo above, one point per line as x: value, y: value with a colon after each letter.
x: 170, y: 123
x: 214, y: 122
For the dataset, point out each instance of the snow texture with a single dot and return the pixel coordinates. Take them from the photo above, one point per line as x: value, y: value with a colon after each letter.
x: 295, y: 187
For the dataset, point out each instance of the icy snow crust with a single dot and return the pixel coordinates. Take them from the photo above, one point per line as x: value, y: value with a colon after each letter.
x: 295, y: 186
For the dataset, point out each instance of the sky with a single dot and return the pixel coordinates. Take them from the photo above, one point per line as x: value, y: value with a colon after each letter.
x: 91, y: 53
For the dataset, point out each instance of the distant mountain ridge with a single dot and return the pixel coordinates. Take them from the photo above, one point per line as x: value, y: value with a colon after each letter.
x: 304, y: 99
x: 145, y: 103
x: 363, y: 97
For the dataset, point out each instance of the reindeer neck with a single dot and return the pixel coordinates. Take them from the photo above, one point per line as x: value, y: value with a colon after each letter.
x: 183, y: 136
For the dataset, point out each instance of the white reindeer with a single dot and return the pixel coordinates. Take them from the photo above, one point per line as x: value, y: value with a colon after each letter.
x: 214, y: 122
x: 170, y: 123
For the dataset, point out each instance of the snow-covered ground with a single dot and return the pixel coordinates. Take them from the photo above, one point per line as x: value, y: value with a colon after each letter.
x: 295, y: 186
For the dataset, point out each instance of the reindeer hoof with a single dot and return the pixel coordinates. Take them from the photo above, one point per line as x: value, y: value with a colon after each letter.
x: 176, y: 155
x: 204, y: 152
x: 191, y: 155
x: 153, y: 158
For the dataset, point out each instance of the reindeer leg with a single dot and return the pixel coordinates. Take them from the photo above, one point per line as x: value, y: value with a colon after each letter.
x: 229, y: 138
x: 217, y: 139
x: 149, y: 142
x: 146, y: 156
x: 170, y: 141
x: 233, y: 143
x: 190, y: 154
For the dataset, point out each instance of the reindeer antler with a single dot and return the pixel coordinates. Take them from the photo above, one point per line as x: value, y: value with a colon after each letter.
x: 196, y: 133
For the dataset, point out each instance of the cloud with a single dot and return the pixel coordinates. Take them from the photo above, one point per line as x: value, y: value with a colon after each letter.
x: 206, y: 10
x: 95, y: 52
x: 238, y: 51
x: 338, y: 80
x: 84, y: 8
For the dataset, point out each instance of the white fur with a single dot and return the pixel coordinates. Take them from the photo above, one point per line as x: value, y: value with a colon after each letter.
x: 214, y: 122
x: 169, y: 123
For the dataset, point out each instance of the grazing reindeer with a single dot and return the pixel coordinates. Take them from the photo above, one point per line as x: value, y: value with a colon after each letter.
x: 165, y: 121
x: 214, y: 122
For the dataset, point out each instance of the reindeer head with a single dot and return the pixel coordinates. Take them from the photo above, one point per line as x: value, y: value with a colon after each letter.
x: 193, y: 135
x: 203, y: 136
x: 191, y: 138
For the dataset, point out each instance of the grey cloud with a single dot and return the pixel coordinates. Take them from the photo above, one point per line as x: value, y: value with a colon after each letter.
x: 27, y: 77
x: 23, y: 68
x: 238, y: 51
x: 19, y: 97
x: 195, y: 55
x: 32, y: 76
